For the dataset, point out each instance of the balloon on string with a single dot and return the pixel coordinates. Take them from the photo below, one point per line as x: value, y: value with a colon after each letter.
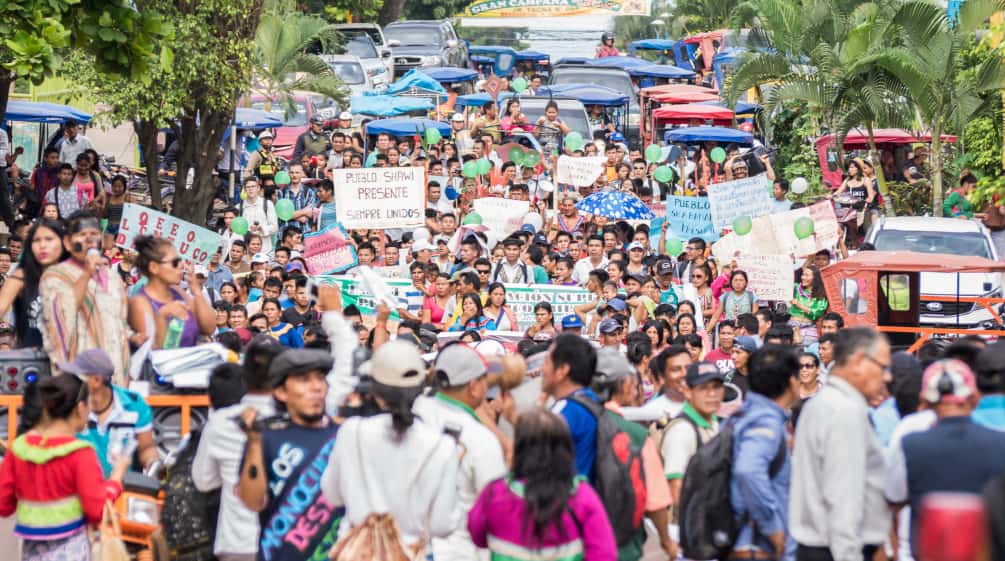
x: 531, y: 159
x: 515, y: 154
x: 663, y: 174
x: 743, y: 225
x: 519, y: 84
x: 473, y: 218
x: 451, y: 193
x: 433, y: 135
x: 251, y: 145
x: 484, y: 166
x: 718, y: 155
x: 239, y: 225
x: 803, y: 227
x: 283, y: 178
x: 674, y: 246
x: 800, y: 185
x: 284, y: 209
x: 470, y: 169
x: 653, y: 153
x: 573, y: 141
x: 534, y: 219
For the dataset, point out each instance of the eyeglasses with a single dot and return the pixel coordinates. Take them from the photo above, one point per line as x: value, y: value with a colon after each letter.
x: 807, y: 365
x: 173, y: 262
x: 885, y: 367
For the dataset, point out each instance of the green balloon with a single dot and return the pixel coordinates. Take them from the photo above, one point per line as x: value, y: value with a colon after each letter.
x: 718, y: 155
x: 519, y: 85
x: 674, y: 246
x: 653, y: 153
x: 531, y: 159
x: 663, y: 174
x: 515, y: 155
x: 433, y: 136
x: 573, y: 141
x: 484, y: 166
x: 803, y: 227
x: 473, y: 218
x: 283, y: 178
x: 743, y: 225
x: 284, y: 209
x: 470, y: 169
x: 239, y: 225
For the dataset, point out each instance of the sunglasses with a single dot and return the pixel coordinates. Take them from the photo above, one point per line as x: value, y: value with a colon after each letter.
x: 176, y: 262
x: 807, y: 365
x: 483, y: 271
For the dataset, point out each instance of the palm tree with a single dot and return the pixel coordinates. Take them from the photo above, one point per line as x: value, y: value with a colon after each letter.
x: 927, y: 58
x: 283, y: 64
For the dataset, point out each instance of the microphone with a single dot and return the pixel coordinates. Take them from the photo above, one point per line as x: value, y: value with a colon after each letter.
x: 101, y: 274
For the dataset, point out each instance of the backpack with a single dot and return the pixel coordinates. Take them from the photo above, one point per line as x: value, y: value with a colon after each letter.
x: 708, y: 525
x: 619, y: 478
x: 189, y: 516
x: 522, y: 267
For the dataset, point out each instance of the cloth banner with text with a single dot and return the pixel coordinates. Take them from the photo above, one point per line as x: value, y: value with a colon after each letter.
x: 380, y: 197
x: 547, y: 8
x: 194, y: 243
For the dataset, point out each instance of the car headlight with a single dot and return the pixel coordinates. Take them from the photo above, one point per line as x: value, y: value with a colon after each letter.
x: 142, y: 511
x: 433, y: 60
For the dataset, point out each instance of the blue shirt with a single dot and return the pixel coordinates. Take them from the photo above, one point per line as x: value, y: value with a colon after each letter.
x: 885, y: 418
x: 990, y: 412
x: 583, y: 426
x: 759, y: 433
x: 218, y: 277
x: 129, y: 416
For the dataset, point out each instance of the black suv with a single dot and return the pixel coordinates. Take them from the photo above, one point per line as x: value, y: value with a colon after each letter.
x: 415, y: 44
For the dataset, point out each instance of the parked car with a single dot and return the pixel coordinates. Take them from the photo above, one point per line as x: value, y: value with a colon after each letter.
x: 926, y: 234
x: 425, y: 43
x: 352, y: 72
x: 570, y: 111
x: 373, y: 32
x: 294, y: 123
x: 365, y: 51
x: 615, y: 78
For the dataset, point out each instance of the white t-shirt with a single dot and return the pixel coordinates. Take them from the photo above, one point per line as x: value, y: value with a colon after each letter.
x: 581, y: 272
x: 659, y: 407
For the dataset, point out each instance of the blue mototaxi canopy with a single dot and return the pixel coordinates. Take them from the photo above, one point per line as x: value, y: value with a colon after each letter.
x: 42, y: 112
x: 587, y: 94
x: 651, y: 45
x: 490, y: 50
x: 709, y: 134
x: 414, y: 78
x: 532, y: 55
x: 388, y: 105
x: 741, y: 107
x: 406, y: 126
x: 451, y: 74
x: 639, y: 67
x: 478, y: 99
x: 479, y: 59
x: 255, y: 119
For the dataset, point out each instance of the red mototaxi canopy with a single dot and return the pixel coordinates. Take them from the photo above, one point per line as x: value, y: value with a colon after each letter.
x: 676, y: 88
x: 699, y: 111
x: 860, y: 139
x: 684, y: 97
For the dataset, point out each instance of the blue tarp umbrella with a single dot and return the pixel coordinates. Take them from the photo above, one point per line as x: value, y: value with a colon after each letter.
x: 709, y: 134
x: 616, y: 205
x: 388, y: 105
x: 479, y: 99
x: 406, y: 126
x: 414, y: 78
x: 451, y: 74
x: 42, y: 112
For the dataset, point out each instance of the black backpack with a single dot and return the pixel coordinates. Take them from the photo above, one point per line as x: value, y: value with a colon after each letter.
x: 708, y: 525
x: 189, y: 516
x: 618, y: 475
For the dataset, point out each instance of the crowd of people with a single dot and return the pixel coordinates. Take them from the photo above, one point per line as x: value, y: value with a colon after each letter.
x: 342, y: 427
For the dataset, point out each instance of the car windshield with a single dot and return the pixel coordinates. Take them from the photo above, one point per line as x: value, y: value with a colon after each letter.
x: 569, y: 112
x: 616, y: 81
x: 279, y: 110
x: 349, y: 72
x: 958, y: 243
x: 409, y: 36
x: 373, y: 34
x: 362, y: 47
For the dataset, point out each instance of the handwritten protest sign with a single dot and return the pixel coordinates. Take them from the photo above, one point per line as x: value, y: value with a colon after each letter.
x: 774, y: 234
x: 825, y: 225
x: 581, y: 172
x: 743, y: 197
x: 380, y: 197
x: 328, y: 251
x: 193, y: 243
x: 503, y: 216
x: 769, y: 276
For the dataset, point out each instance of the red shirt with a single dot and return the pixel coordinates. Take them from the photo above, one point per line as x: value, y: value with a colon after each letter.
x: 721, y: 359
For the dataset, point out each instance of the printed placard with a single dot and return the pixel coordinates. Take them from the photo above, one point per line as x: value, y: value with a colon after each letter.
x: 581, y: 172
x: 194, y: 243
x: 329, y: 251
x: 380, y: 197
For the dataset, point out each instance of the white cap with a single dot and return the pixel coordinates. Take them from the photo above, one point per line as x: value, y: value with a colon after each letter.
x: 422, y: 245
x: 260, y: 258
x: 344, y: 116
x: 201, y: 270
x: 267, y: 133
x: 457, y: 118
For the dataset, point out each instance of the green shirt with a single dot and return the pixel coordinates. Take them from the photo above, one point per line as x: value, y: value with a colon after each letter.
x: 817, y: 306
x: 956, y: 205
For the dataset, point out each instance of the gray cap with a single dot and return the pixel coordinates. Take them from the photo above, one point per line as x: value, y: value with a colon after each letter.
x: 700, y: 372
x: 609, y: 325
x: 292, y: 362
x: 460, y: 364
x: 612, y: 365
x: 92, y: 362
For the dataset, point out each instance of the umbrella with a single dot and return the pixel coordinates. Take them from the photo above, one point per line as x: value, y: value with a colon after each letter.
x: 616, y: 205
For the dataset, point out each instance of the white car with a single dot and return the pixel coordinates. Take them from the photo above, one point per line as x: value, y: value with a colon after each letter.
x: 926, y: 234
x: 350, y: 70
x: 375, y: 34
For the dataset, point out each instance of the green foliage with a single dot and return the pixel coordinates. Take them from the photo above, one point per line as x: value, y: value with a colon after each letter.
x: 339, y: 11
x: 910, y: 200
x: 38, y: 34
x: 988, y: 188
x: 792, y: 132
x: 434, y: 9
x: 510, y: 36
x: 983, y: 141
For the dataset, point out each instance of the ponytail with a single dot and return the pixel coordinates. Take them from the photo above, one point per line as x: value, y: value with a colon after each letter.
x: 399, y: 404
x: 59, y: 395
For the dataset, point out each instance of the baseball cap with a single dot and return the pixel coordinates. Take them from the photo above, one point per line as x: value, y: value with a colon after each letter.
x: 294, y: 266
x: 260, y: 258
x: 540, y: 239
x: 664, y: 267
x: 617, y: 304
x: 948, y: 381
x: 700, y: 372
x: 457, y: 118
x: 609, y: 326
x: 266, y: 134
x: 460, y: 364
x: 317, y: 119
x: 298, y: 361
x: 746, y: 343
x: 612, y: 365
x: 92, y: 362
x: 422, y: 245
x: 344, y: 116
x: 397, y: 364
x: 639, y: 277
x: 636, y: 245
x: 529, y: 228
x: 572, y: 321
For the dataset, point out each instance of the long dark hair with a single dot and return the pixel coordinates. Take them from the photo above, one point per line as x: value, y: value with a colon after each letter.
x: 59, y: 395
x: 32, y: 271
x: 544, y: 463
x: 817, y: 291
x: 398, y: 402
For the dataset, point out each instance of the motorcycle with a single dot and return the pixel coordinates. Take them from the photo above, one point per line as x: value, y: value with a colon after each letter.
x: 138, y: 509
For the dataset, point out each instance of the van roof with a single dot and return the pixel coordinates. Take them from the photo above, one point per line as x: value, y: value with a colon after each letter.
x: 930, y: 224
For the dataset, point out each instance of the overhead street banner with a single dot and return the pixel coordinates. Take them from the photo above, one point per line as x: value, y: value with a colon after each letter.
x: 544, y: 8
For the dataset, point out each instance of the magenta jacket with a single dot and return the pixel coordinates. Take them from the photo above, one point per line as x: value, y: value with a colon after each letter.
x: 499, y: 521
